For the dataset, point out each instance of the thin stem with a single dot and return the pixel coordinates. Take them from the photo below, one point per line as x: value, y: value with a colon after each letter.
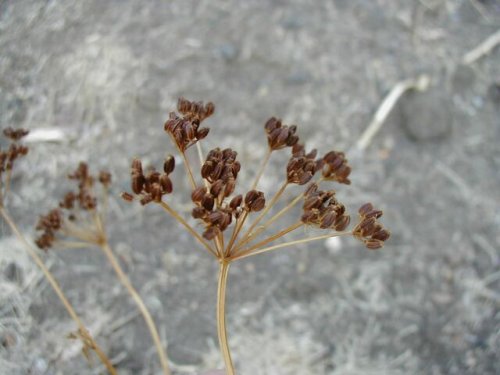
x: 221, y: 316
x: 245, y: 238
x: 261, y: 228
x: 140, y: 304
x: 272, y: 238
x: 188, y: 168
x: 190, y: 229
x: 57, y: 289
x: 236, y: 231
x: 7, y: 184
x: 200, y: 156
x: 290, y: 243
x: 261, y: 169
x: 62, y: 244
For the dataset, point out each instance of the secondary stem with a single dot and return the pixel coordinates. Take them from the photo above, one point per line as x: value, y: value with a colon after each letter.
x: 57, y: 289
x: 190, y: 229
x: 290, y: 243
x: 246, y: 237
x: 221, y: 316
x: 261, y: 170
x: 188, y: 168
x: 140, y: 304
x: 271, y: 238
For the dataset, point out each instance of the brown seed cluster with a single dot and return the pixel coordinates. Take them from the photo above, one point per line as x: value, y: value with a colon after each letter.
x: 185, y: 130
x: 15, y: 150
x: 369, y: 230
x: 322, y: 209
x: 280, y: 136
x: 220, y: 170
x: 301, y: 166
x: 152, y: 186
x: 49, y: 224
x: 83, y: 199
x: 336, y: 168
x: 15, y: 134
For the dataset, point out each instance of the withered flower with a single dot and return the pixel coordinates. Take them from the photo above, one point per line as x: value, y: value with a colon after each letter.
x: 323, y: 210
x: 301, y: 166
x: 82, y: 203
x: 220, y: 171
x: 152, y: 186
x: 15, y: 134
x: 369, y: 230
x: 185, y: 130
x: 336, y: 167
x: 280, y: 136
x: 9, y: 156
x: 217, y: 209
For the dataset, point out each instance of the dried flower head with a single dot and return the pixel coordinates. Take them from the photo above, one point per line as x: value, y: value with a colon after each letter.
x: 369, y: 230
x: 280, y: 136
x: 15, y: 134
x: 301, y: 166
x: 152, y: 186
x: 323, y: 210
x: 336, y: 167
x: 213, y: 206
x: 77, y: 216
x: 185, y: 130
x: 9, y: 156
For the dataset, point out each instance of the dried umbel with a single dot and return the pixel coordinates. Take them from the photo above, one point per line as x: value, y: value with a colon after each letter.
x: 153, y: 185
x: 9, y: 156
x: 185, y: 130
x: 77, y: 218
x: 321, y: 209
x: 224, y: 214
x: 369, y: 230
x: 280, y: 136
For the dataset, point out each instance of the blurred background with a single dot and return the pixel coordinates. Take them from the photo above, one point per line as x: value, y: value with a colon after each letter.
x: 95, y: 80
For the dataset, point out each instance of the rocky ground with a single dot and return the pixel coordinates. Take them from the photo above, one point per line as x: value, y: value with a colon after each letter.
x: 105, y: 74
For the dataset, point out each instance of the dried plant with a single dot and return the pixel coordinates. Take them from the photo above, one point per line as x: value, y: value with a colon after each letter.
x: 223, y: 214
x: 7, y: 161
x: 78, y: 222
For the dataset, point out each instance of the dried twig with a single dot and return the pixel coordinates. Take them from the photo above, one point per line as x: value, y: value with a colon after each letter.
x: 482, y: 49
x: 421, y: 84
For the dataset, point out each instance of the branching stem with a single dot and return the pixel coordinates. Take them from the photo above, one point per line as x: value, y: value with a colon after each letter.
x: 290, y: 243
x: 57, y: 289
x: 245, y: 238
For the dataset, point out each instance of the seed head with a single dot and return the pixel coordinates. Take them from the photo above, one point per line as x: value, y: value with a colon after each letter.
x: 336, y: 168
x: 280, y: 136
x: 369, y: 230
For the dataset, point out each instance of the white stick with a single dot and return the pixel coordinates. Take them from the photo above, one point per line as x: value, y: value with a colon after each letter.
x: 482, y: 49
x: 421, y: 84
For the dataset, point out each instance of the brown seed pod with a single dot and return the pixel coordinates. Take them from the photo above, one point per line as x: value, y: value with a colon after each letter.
x: 169, y: 164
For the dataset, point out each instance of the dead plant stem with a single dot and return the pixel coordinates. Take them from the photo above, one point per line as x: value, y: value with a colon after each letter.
x: 221, y: 316
x: 140, y: 304
x: 290, y: 243
x: 278, y: 194
x: 188, y: 168
x: 57, y: 289
x: 272, y: 238
x: 262, y: 168
x: 190, y: 229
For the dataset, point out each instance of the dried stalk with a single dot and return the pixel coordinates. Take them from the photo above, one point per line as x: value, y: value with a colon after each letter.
x: 140, y: 304
x: 221, y: 316
x: 57, y: 289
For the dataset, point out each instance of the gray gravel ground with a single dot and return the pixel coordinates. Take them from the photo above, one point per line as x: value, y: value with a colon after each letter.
x: 106, y: 73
